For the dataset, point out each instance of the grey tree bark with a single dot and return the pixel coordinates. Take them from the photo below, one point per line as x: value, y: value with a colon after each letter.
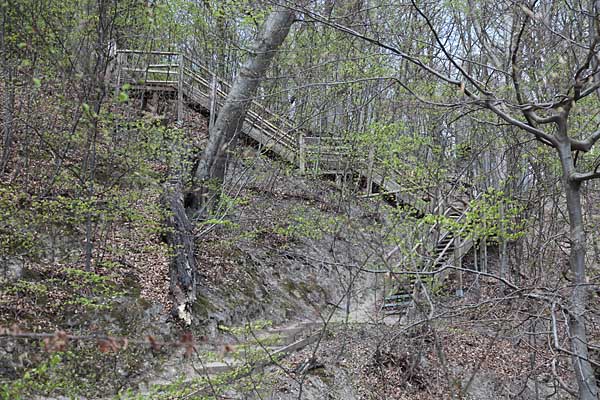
x: 586, y: 379
x: 9, y: 97
x: 183, y: 269
x: 228, y: 125
x: 179, y: 235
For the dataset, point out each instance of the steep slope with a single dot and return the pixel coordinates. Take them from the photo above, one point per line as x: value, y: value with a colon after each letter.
x: 278, y: 251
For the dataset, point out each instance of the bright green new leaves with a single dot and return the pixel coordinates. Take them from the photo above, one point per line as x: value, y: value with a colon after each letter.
x: 493, y: 216
x: 414, y: 160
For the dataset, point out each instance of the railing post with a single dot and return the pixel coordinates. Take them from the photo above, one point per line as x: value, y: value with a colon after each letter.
x: 180, y: 91
x: 301, y: 153
x: 370, y: 166
x: 458, y: 263
x: 119, y: 66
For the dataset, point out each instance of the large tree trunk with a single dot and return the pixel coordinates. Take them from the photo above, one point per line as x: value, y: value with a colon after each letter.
x: 223, y: 136
x: 586, y: 380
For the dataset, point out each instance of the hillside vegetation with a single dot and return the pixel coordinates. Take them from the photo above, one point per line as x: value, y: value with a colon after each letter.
x: 299, y: 200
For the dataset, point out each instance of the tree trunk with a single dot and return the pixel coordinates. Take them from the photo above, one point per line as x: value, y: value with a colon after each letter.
x: 475, y: 252
x: 223, y: 136
x: 503, y: 247
x: 183, y: 269
x: 586, y: 380
x: 8, y: 103
x: 595, y: 8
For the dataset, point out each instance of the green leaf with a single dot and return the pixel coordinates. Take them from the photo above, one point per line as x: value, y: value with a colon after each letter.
x: 37, y: 83
x: 123, y: 97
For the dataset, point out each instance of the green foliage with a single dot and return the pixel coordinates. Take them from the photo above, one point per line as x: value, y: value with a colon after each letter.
x: 226, y: 202
x: 402, y: 154
x: 46, y: 377
x: 186, y: 387
x: 26, y: 288
x: 76, y: 287
x: 72, y: 374
x: 493, y: 216
x: 99, y: 290
x: 127, y: 159
x: 16, y: 237
x: 306, y: 223
x: 219, y: 384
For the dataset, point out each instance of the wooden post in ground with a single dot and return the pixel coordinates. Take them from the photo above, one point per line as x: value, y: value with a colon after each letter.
x: 457, y: 263
x: 180, y: 91
x: 370, y: 166
x: 301, y: 154
x: 375, y: 297
x: 119, y: 65
x: 316, y: 158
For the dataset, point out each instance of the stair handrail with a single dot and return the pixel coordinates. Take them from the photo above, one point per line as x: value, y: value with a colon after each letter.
x: 461, y: 230
x: 278, y: 135
x: 154, y: 52
x: 284, y: 120
x: 282, y: 137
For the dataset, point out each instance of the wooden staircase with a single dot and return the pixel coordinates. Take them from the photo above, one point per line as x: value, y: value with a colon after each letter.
x: 448, y: 249
x: 195, y: 86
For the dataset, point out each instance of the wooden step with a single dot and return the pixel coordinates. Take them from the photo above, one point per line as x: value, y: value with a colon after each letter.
x: 444, y: 256
x: 454, y: 211
x: 397, y: 304
x: 394, y: 311
x: 396, y: 297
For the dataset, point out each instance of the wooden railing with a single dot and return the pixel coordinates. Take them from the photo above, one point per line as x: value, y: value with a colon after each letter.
x: 325, y: 155
x: 196, y: 83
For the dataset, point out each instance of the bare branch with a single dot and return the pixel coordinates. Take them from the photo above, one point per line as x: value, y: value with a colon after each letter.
x: 586, y: 144
x: 464, y: 73
x: 539, y: 134
x: 585, y: 176
x: 414, y: 60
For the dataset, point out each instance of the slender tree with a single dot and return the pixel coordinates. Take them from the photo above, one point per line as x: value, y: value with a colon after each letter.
x: 225, y: 132
x: 8, y: 89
